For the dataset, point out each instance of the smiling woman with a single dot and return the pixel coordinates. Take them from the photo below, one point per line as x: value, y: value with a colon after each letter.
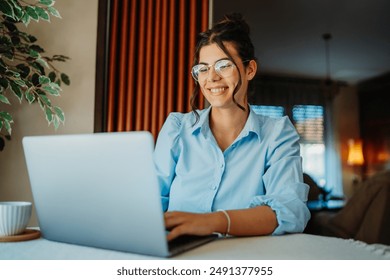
x: 225, y: 169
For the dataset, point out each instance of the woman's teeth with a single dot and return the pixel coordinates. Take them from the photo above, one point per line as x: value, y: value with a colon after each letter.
x: 217, y: 90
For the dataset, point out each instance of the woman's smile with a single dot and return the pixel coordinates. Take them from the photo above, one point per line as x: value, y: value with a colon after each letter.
x: 218, y: 90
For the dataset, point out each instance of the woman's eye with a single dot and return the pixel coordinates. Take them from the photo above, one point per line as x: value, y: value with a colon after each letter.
x: 202, y: 70
x: 224, y: 66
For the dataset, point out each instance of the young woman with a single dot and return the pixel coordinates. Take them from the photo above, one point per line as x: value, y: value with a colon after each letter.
x: 225, y: 169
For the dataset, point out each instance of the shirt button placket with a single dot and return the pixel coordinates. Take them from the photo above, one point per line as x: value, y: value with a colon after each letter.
x: 218, y: 175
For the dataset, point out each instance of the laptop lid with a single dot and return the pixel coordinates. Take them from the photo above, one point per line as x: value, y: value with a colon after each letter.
x: 97, y: 190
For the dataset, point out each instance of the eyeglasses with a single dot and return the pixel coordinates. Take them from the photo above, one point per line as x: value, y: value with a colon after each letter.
x: 224, y: 68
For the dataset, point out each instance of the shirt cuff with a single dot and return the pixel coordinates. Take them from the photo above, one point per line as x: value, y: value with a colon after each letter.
x: 292, y: 216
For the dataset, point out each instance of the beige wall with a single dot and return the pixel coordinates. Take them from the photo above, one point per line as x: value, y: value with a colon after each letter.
x: 75, y: 36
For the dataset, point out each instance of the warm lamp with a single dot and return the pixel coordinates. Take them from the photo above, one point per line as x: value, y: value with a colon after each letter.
x: 355, y: 152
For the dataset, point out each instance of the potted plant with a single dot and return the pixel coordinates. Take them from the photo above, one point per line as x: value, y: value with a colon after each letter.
x: 25, y: 72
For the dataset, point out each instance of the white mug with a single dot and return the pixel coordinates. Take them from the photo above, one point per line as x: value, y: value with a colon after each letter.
x: 14, y: 217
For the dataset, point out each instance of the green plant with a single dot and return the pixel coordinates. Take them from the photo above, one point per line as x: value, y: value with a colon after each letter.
x: 24, y: 71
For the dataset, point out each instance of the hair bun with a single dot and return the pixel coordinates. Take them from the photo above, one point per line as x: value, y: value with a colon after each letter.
x: 236, y: 21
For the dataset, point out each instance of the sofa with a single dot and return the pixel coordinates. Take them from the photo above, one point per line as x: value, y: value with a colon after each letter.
x: 365, y: 216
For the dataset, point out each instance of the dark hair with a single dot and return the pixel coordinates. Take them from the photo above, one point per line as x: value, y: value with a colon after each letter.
x: 235, y: 30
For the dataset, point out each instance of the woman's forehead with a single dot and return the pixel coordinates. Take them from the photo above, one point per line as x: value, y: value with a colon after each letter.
x: 211, y: 53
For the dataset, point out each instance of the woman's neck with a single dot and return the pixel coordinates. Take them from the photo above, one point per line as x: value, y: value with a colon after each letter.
x: 227, y: 124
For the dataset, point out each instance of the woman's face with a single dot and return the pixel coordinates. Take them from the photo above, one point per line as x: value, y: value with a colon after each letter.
x: 219, y: 90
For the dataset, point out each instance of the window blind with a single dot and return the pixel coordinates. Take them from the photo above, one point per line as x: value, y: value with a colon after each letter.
x: 309, y: 122
x: 269, y: 111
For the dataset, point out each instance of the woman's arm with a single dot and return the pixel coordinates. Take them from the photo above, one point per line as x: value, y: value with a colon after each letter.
x: 260, y: 220
x: 165, y: 155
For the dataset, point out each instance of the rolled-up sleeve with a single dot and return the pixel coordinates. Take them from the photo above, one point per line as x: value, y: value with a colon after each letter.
x: 285, y: 191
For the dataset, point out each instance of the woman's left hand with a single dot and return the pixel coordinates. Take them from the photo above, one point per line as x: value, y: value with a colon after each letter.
x: 180, y: 223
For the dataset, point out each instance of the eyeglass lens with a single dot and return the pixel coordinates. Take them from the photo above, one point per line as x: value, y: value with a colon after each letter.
x: 224, y: 68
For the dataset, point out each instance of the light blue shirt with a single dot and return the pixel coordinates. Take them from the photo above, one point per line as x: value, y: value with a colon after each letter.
x: 261, y: 167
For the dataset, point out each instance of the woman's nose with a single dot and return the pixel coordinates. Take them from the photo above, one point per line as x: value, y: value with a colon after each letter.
x: 212, y: 75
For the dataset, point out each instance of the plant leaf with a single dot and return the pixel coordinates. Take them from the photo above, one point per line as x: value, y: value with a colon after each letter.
x: 42, y: 13
x: 6, y: 122
x: 15, y: 40
x: 8, y: 52
x: 47, y: 2
x: 38, y: 67
x: 29, y: 95
x: 31, y: 12
x: 5, y: 41
x: 10, y: 26
x: 44, y: 80
x: 24, y: 70
x: 52, y: 76
x: 51, y: 90
x: 35, y: 79
x: 17, y: 91
x: 4, y: 83
x: 17, y: 9
x: 55, y: 86
x: 26, y: 18
x: 60, y: 57
x: 20, y: 82
x: 31, y: 38
x: 4, y: 99
x: 54, y: 12
x: 56, y: 122
x: 45, y: 100
x: 16, y: 4
x: 34, y: 53
x: 65, y: 79
x: 41, y: 104
x: 59, y: 113
x: 37, y: 48
x: 49, y: 115
x: 7, y: 9
x: 8, y: 127
x: 43, y: 62
x: 6, y: 116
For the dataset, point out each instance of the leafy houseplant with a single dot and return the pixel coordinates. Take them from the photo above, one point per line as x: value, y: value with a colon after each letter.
x: 24, y: 71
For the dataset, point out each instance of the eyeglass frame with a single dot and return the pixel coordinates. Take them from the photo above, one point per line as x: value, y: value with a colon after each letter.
x: 213, y: 65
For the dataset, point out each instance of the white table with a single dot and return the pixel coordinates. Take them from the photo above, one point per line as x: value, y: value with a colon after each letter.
x: 286, y: 247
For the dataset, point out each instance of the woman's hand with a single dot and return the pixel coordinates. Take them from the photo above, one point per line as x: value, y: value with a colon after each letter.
x: 180, y: 223
x: 260, y: 220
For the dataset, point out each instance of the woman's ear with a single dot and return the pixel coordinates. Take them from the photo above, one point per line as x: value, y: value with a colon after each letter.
x: 251, y: 69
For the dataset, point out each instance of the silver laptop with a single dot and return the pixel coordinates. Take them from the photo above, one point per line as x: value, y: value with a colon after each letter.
x: 100, y: 190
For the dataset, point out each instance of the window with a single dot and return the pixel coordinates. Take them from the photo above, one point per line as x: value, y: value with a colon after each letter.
x: 269, y: 111
x: 309, y: 122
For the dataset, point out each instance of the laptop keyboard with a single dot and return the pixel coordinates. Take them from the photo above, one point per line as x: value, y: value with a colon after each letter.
x: 185, y: 242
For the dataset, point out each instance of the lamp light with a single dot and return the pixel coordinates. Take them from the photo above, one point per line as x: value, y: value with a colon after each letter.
x: 355, y: 152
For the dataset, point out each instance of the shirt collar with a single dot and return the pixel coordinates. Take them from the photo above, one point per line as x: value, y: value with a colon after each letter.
x: 251, y: 125
x: 203, y: 123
